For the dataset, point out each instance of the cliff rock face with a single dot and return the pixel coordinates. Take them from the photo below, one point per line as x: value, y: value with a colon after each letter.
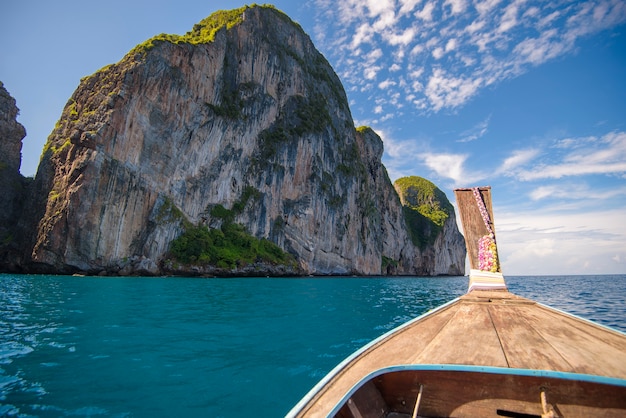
x: 12, y: 184
x: 246, y: 115
x: 431, y: 224
x: 422, y: 248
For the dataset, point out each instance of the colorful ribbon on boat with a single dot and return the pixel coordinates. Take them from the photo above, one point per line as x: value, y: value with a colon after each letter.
x: 483, y: 210
x: 487, y: 249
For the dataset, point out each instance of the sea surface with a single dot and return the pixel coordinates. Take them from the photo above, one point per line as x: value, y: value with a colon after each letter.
x: 190, y: 347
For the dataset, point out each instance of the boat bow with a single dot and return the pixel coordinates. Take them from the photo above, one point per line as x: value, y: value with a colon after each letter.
x: 486, y: 353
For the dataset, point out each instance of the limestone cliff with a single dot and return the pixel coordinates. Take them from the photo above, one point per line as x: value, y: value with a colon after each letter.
x: 241, y: 114
x: 431, y: 226
x: 12, y: 184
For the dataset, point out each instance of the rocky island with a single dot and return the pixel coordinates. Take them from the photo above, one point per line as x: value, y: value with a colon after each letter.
x: 229, y: 150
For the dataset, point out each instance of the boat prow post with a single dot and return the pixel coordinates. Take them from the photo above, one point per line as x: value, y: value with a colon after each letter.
x: 476, y: 212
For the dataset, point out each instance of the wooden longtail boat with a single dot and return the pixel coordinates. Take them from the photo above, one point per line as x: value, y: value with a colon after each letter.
x: 486, y: 353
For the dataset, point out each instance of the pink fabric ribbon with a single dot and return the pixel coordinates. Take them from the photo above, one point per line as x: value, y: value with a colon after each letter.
x: 483, y: 210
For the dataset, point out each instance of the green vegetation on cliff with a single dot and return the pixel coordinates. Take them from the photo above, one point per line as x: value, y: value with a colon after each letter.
x: 386, y: 263
x: 421, y: 195
x: 299, y: 116
x: 202, y: 32
x: 425, y: 208
x: 227, y: 247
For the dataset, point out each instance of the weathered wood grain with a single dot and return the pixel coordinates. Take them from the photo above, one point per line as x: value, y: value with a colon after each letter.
x: 468, y: 338
x: 483, y: 328
x: 522, y: 345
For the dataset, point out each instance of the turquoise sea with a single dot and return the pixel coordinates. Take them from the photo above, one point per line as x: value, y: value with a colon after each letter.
x: 190, y: 347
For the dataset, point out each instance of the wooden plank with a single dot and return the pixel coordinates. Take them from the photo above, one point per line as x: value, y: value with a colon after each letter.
x: 367, y: 402
x: 586, y: 347
x: 524, y: 347
x: 468, y: 338
x: 489, y: 296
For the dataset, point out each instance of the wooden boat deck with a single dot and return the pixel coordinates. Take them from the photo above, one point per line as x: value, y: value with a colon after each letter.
x: 482, y: 328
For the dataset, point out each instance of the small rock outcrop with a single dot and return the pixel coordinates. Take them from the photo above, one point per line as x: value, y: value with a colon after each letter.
x: 239, y: 122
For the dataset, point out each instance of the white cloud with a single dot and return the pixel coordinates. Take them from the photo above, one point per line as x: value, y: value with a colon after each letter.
x: 408, y: 157
x: 346, y: 11
x: 434, y: 40
x: 451, y: 167
x: 611, y: 148
x: 564, y: 170
x: 379, y: 7
x: 407, y: 6
x: 546, y: 191
x: 509, y: 18
x: 386, y: 20
x: 575, y: 191
x: 604, y: 156
x: 554, y: 242
x: 481, y: 43
x: 386, y: 84
x: 451, y: 45
x: 468, y: 61
x: 539, y: 50
x: 475, y: 26
x: 417, y: 49
x: 400, y: 155
x: 531, y: 12
x: 426, y: 14
x: 438, y: 53
x: 446, y: 165
x: 484, y: 7
x: 477, y: 131
x: 518, y: 158
x: 416, y: 73
x: 417, y: 87
x: 362, y: 35
x: 456, y: 6
x: 374, y: 55
x: 401, y: 38
x: 446, y: 90
x: 591, y: 17
x: 370, y: 72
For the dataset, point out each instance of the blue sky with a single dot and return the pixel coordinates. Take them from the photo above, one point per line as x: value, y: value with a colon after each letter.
x: 526, y: 96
